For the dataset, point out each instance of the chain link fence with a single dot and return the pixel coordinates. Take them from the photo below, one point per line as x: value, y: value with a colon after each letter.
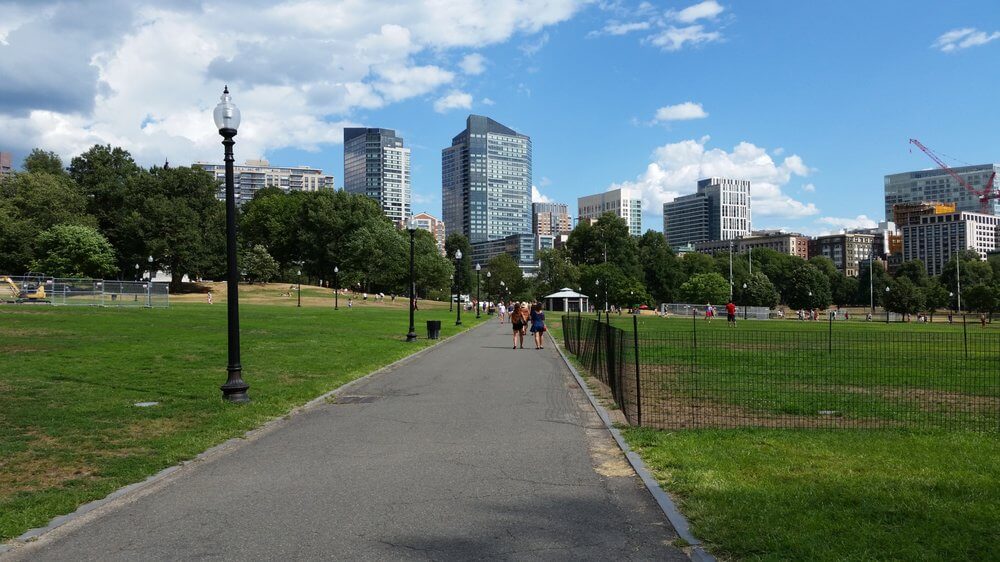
x: 834, y: 375
x: 33, y: 289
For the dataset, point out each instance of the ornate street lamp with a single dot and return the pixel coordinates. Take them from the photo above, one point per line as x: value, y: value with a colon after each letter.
x: 336, y: 288
x: 411, y: 228
x: 149, y: 284
x: 744, y: 301
x: 489, y: 275
x: 458, y: 285
x: 478, y: 303
x: 451, y: 291
x: 299, y: 291
x: 885, y: 307
x: 227, y: 120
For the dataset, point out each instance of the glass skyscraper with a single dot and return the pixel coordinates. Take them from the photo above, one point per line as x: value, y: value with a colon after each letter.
x: 486, y: 182
x: 377, y: 165
x: 938, y: 185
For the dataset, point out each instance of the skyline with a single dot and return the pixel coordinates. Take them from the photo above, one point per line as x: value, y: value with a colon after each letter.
x: 643, y: 95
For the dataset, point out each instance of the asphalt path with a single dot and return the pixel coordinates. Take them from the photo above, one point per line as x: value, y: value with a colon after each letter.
x: 472, y: 450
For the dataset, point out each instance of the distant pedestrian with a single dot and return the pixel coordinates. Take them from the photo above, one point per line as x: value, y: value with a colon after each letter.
x: 517, y: 325
x: 350, y: 302
x: 709, y: 312
x: 501, y: 312
x: 731, y: 314
x: 982, y: 320
x: 210, y: 297
x: 538, y: 325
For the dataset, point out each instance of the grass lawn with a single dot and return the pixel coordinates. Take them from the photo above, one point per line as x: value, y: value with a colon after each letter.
x: 820, y: 494
x: 766, y: 494
x: 69, y: 432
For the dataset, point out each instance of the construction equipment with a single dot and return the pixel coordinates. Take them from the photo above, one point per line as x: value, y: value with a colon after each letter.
x: 984, y: 195
x: 31, y: 289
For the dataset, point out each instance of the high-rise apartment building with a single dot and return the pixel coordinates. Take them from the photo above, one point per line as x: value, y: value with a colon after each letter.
x: 847, y: 250
x: 550, y: 219
x: 258, y: 174
x: 376, y: 164
x: 718, y: 210
x: 6, y: 164
x: 936, y: 238
x: 626, y: 203
x: 486, y: 182
x: 938, y: 185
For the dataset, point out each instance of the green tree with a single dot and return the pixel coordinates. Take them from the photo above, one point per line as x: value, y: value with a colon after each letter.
x: 606, y: 241
x: 877, y: 281
x: 465, y: 276
x: 808, y: 288
x: 44, y: 162
x: 258, y: 264
x: 69, y: 250
x: 705, y: 288
x: 981, y: 298
x: 974, y: 272
x: 914, y: 270
x: 758, y: 291
x: 503, y: 268
x: 556, y: 271
x: 696, y: 263
x: 935, y: 296
x: 431, y: 269
x: 661, y: 269
x: 904, y: 296
x: 271, y: 219
x: 326, y: 220
x: 606, y: 284
x: 378, y: 257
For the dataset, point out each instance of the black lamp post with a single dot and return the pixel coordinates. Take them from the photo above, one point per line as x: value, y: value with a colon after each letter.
x: 744, y: 301
x: 149, y: 284
x: 598, y: 291
x: 299, y: 290
x: 503, y: 290
x: 336, y: 288
x: 479, y: 304
x: 489, y: 275
x: 458, y: 286
x: 227, y: 119
x: 411, y: 228
x: 885, y: 307
x: 451, y: 291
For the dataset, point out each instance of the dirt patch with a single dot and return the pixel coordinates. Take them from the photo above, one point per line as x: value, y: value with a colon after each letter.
x: 150, y: 429
x: 28, y: 472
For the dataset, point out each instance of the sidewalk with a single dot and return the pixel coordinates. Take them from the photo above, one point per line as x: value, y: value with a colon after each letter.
x: 470, y: 451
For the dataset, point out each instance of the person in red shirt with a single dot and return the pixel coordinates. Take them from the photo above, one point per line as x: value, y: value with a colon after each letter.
x: 731, y: 313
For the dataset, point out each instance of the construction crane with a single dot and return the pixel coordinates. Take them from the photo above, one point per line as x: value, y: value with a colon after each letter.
x: 984, y: 195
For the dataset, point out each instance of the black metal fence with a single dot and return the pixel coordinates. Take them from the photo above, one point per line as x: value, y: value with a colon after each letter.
x: 680, y: 374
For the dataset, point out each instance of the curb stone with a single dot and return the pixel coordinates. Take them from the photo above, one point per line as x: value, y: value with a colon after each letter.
x: 667, y: 505
x: 32, y: 535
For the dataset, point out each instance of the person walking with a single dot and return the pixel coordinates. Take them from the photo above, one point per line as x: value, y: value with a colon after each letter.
x: 525, y: 312
x: 709, y: 312
x: 501, y: 311
x: 538, y: 325
x: 517, y: 325
x: 731, y: 314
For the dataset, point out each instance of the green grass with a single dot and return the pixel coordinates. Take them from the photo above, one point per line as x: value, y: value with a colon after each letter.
x: 805, y: 373
x: 69, y: 377
x: 761, y: 494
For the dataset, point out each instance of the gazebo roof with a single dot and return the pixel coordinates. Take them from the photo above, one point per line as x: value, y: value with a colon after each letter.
x: 565, y: 293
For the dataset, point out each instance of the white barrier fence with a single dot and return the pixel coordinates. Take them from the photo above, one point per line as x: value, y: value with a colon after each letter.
x: 84, y: 292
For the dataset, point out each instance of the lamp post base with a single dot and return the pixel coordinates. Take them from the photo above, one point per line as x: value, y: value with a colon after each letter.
x: 411, y: 337
x: 235, y: 390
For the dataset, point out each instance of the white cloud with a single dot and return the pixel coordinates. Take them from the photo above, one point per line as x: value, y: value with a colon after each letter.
x: 616, y: 28
x: 809, y: 188
x: 677, y: 167
x: 145, y: 75
x: 675, y: 38
x: 487, y: 101
x: 473, y: 64
x: 545, y: 181
x: 708, y: 9
x: 455, y: 99
x: 841, y: 223
x: 531, y: 48
x: 537, y: 197
x: 680, y: 112
x: 964, y: 38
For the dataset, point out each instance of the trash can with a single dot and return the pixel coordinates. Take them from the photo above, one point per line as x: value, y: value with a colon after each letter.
x: 433, y: 329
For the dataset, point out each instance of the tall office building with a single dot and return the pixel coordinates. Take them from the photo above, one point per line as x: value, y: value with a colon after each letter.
x: 935, y: 238
x: 847, y: 250
x: 377, y: 165
x: 258, y: 174
x: 626, y: 203
x: 486, y: 181
x: 6, y: 164
x: 938, y: 185
x: 718, y: 210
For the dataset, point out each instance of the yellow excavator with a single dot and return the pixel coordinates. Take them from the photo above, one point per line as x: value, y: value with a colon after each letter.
x: 31, y: 289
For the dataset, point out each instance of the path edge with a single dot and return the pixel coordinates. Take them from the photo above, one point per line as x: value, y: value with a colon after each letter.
x: 228, y: 445
x: 663, y: 499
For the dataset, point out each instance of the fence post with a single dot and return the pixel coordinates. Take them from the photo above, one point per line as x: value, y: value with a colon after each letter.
x: 965, y: 337
x: 578, y: 333
x: 829, y: 337
x: 638, y: 380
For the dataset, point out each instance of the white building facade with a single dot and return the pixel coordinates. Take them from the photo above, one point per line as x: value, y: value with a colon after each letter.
x: 625, y: 203
x: 936, y: 238
x: 255, y: 175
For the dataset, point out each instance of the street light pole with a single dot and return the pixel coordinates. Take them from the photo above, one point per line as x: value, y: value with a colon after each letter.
x: 149, y: 284
x: 489, y: 274
x: 411, y: 228
x: 885, y: 307
x: 744, y: 301
x: 478, y: 302
x: 299, y: 291
x: 336, y: 288
x: 451, y: 291
x: 227, y: 119
x: 458, y: 285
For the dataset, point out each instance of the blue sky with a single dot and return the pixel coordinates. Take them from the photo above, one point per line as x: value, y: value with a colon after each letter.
x: 813, y: 102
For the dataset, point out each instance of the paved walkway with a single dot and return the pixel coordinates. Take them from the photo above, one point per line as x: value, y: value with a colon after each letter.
x: 470, y: 451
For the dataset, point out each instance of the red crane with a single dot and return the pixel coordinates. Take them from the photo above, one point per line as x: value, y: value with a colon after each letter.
x: 984, y: 195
